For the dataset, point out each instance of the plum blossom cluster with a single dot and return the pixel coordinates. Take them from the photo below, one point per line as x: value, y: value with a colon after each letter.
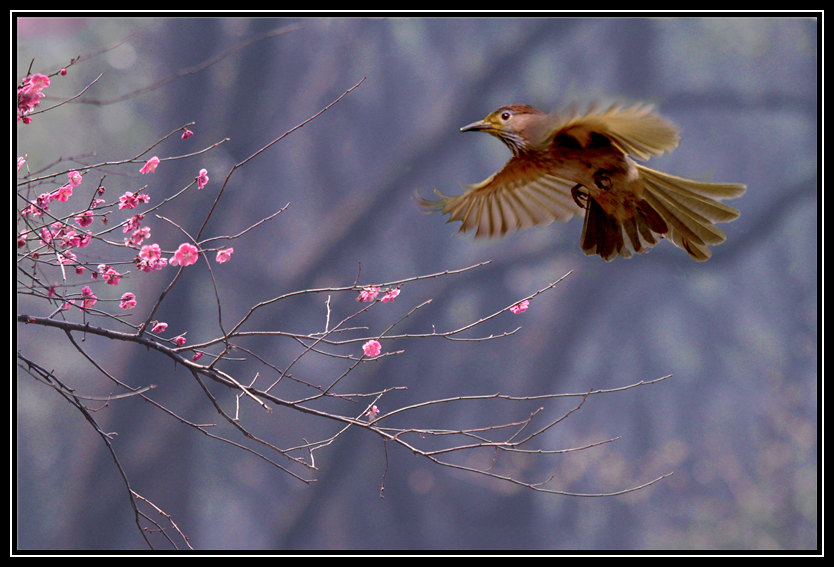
x: 62, y: 238
x: 29, y: 95
x: 62, y: 194
x: 53, y: 235
x: 89, y: 299
x: 150, y: 258
x: 131, y: 200
x: 370, y: 293
x: 58, y: 238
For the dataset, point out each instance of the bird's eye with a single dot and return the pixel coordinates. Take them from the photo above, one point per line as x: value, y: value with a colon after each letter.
x: 505, y: 115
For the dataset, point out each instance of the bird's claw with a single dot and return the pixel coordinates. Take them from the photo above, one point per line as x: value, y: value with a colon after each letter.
x: 580, y: 195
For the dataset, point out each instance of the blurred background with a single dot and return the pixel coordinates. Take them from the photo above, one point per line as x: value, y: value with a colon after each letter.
x: 737, y: 423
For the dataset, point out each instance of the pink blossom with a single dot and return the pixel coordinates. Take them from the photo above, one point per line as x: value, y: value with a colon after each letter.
x: 69, y: 238
x: 84, y: 240
x: 150, y: 258
x: 43, y: 201
x: 84, y: 219
x: 138, y: 236
x: 372, y: 348
x: 128, y: 301
x: 150, y: 165
x: 150, y: 252
x: 62, y: 194
x: 224, y: 255
x: 130, y: 200
x: 197, y: 356
x: 46, y: 235
x: 39, y: 207
x: 111, y: 276
x: 89, y: 297
x: 202, y: 179
x: 186, y: 133
x: 20, y: 161
x: 67, y: 257
x: 29, y: 95
x: 185, y: 255
x: 74, y: 178
x: 372, y: 413
x: 133, y: 222
x: 180, y: 340
x: 520, y: 307
x: 159, y: 327
x: 368, y: 294
x: 391, y: 295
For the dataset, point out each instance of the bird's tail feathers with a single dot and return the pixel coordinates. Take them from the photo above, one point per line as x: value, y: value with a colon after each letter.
x: 683, y: 210
x: 690, y: 209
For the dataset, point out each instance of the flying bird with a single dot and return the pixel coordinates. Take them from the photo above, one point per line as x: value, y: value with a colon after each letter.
x: 580, y: 163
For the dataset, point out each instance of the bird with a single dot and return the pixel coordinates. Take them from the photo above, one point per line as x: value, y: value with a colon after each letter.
x: 581, y: 163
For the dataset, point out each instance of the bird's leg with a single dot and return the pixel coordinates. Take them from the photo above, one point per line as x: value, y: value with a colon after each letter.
x: 602, y: 179
x: 580, y: 195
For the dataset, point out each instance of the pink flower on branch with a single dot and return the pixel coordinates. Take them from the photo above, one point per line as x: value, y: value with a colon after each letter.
x: 520, y: 307
x: 372, y: 348
x: 202, y: 179
x: 89, y: 297
x: 391, y: 295
x: 128, y: 301
x: 150, y: 258
x: 62, y: 194
x: 74, y: 178
x: 159, y: 327
x: 138, y: 236
x: 130, y: 200
x: 85, y: 219
x: 368, y: 294
x: 133, y: 222
x: 150, y: 166
x: 29, y: 95
x: 111, y: 276
x: 224, y: 255
x: 185, y: 255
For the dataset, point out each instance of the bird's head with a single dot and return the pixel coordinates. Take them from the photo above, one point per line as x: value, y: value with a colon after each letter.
x: 515, y: 125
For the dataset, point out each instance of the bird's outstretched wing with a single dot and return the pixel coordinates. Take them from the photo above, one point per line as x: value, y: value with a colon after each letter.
x: 518, y: 196
x: 636, y: 130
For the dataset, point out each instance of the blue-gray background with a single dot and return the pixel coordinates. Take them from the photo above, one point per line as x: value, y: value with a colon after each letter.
x: 736, y: 424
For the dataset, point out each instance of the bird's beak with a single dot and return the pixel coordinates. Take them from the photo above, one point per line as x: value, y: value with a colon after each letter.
x: 478, y: 126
